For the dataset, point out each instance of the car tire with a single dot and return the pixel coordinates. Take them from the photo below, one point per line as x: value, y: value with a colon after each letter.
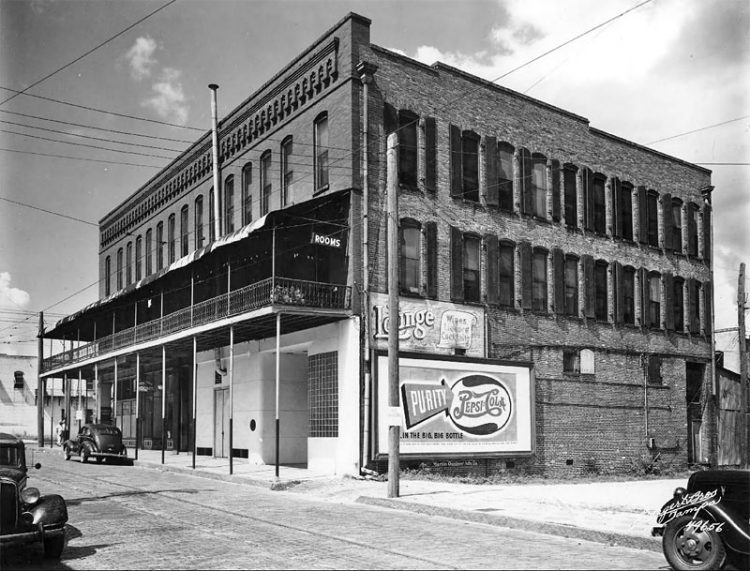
x: 690, y: 549
x: 99, y: 459
x: 66, y: 452
x: 85, y: 453
x: 53, y: 547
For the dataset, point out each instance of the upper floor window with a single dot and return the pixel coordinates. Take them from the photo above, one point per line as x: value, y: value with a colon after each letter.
x: 594, y: 202
x: 464, y: 164
x: 678, y: 303
x: 654, y: 369
x: 471, y: 268
x: 184, y: 231
x: 129, y: 263
x: 571, y: 286
x: 198, y: 215
x: 171, y: 238
x: 149, y: 251
x: 320, y: 152
x: 160, y: 245
x: 676, y: 214
x: 570, y: 196
x: 649, y: 216
x: 287, y: 173
x: 138, y: 258
x: 107, y: 276
x: 247, y: 197
x: 229, y: 205
x: 600, y: 288
x: 265, y: 182
x: 407, y: 151
x: 628, y: 295
x: 119, y: 269
x: 652, y: 303
x: 539, y: 185
x: 211, y: 218
x: 505, y: 176
x: 623, y: 209
x: 507, y: 275
x: 692, y: 228
x: 539, y: 280
x: 410, y: 256
x: 694, y: 311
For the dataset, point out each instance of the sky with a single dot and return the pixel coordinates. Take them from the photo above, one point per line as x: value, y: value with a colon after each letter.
x: 673, y: 75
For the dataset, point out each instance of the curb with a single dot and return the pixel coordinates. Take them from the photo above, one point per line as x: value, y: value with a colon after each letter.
x: 573, y: 532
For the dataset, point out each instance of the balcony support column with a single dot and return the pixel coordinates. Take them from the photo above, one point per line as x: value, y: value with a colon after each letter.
x: 66, y: 392
x: 229, y: 288
x: 163, y: 400
x: 137, y: 399
x: 278, y: 343
x: 192, y: 294
x: 195, y: 395
x: 114, y: 399
x: 79, y: 413
x: 231, y: 398
x: 98, y: 393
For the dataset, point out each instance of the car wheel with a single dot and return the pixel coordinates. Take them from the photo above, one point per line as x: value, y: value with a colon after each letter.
x: 99, y: 459
x: 66, y: 452
x: 53, y: 547
x: 85, y: 454
x: 688, y: 548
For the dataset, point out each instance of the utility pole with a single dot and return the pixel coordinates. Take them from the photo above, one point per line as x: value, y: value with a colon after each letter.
x: 743, y: 366
x: 40, y: 384
x: 394, y: 416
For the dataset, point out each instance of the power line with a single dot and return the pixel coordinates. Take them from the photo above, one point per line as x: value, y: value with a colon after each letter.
x: 79, y: 158
x: 94, y: 127
x: 79, y: 58
x: 48, y: 211
x: 700, y: 129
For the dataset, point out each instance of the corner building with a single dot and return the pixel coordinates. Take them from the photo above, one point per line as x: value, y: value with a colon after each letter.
x: 554, y: 282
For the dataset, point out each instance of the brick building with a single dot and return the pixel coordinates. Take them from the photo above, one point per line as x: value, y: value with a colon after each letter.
x: 555, y: 289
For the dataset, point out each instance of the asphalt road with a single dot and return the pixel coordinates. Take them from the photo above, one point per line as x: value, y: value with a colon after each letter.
x: 127, y: 517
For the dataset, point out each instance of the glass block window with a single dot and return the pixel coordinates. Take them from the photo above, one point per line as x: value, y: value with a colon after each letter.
x: 323, y: 397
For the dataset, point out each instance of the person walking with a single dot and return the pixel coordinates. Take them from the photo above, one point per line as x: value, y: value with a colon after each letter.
x: 60, y: 432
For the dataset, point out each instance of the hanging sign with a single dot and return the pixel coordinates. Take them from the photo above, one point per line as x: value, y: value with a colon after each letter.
x: 323, y: 240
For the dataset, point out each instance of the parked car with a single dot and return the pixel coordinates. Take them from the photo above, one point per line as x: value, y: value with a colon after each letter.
x: 707, y: 524
x: 27, y: 516
x: 98, y: 441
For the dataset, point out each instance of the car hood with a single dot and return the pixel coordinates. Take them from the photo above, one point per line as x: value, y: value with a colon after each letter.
x: 15, y: 474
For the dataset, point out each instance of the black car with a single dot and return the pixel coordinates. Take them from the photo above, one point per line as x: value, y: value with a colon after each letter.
x: 98, y: 441
x: 25, y: 515
x: 707, y: 524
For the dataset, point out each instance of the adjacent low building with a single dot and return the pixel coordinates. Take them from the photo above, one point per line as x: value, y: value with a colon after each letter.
x: 554, y: 282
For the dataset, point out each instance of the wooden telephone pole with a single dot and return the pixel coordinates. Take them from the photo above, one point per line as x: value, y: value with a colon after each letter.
x: 394, y: 423
x: 744, y: 435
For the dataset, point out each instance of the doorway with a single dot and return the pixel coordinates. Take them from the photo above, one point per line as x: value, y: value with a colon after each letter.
x: 694, y: 373
x: 221, y: 423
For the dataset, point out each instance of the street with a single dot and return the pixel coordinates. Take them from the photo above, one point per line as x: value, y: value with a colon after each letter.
x: 130, y: 517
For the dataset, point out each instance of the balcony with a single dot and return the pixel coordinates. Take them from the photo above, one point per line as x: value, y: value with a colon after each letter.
x: 265, y: 293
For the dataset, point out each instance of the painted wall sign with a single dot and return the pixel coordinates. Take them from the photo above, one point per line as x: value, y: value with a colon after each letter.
x: 323, y: 240
x: 430, y: 326
x: 458, y: 407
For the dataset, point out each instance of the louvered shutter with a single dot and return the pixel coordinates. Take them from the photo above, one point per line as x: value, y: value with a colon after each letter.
x: 707, y: 304
x: 669, y: 301
x: 693, y: 306
x: 430, y: 149
x: 642, y: 215
x: 589, y: 287
x: 668, y: 220
x: 456, y: 165
x: 645, y: 321
x: 430, y: 231
x: 558, y: 267
x: 490, y: 169
x: 493, y: 267
x: 619, y: 294
x: 457, y: 264
x: 524, y: 251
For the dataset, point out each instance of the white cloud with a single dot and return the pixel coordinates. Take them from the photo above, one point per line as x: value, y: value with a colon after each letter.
x: 11, y: 297
x: 140, y: 58
x: 169, y: 100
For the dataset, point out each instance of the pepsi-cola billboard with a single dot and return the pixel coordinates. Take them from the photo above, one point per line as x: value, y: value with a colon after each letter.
x: 458, y: 407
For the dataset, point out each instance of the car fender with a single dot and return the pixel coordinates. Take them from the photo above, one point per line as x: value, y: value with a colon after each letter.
x: 735, y: 531
x: 49, y: 510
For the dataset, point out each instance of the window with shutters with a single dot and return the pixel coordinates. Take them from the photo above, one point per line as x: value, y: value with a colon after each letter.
x: 623, y: 208
x: 431, y: 259
x: 653, y: 300
x: 430, y: 150
x: 539, y: 280
x: 138, y: 258
x: 407, y: 151
x: 600, y: 289
x: 693, y: 213
x: 149, y: 252
x: 676, y: 225
x: 652, y: 218
x: 571, y: 362
x: 247, y: 196
x: 597, y: 201
x: 695, y: 305
x: 171, y: 238
x: 119, y: 269
x: 129, y: 263
x: 628, y: 295
x: 506, y: 275
x: 539, y: 185
x: 505, y: 176
x: 265, y: 183
x: 229, y: 205
x: 198, y: 221
x: 160, y: 246
x: 107, y: 276
x: 410, y: 279
x: 471, y: 268
x: 570, y: 195
x: 184, y: 231
x: 571, y: 286
x: 678, y: 303
x: 287, y: 173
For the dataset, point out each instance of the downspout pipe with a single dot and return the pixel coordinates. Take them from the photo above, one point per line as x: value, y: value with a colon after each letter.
x: 215, y: 160
x: 366, y: 71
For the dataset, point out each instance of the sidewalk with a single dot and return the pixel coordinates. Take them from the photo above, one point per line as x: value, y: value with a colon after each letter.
x: 617, y: 513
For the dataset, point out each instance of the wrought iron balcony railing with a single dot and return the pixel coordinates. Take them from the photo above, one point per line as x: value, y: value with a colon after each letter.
x: 281, y: 291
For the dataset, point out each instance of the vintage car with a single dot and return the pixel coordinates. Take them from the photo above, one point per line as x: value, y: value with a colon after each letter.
x: 25, y: 515
x: 98, y: 441
x: 707, y: 524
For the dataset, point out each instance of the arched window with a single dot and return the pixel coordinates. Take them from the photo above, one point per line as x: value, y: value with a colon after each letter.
x: 129, y: 263
x: 320, y: 152
x: 287, y: 173
x: 410, y: 256
x: 171, y: 238
x: 198, y: 215
x: 211, y: 218
x: 138, y: 258
x: 184, y: 231
x: 160, y: 246
x: 265, y: 182
x: 149, y: 250
x: 229, y: 204
x: 119, y: 269
x: 247, y: 197
x: 107, y: 276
